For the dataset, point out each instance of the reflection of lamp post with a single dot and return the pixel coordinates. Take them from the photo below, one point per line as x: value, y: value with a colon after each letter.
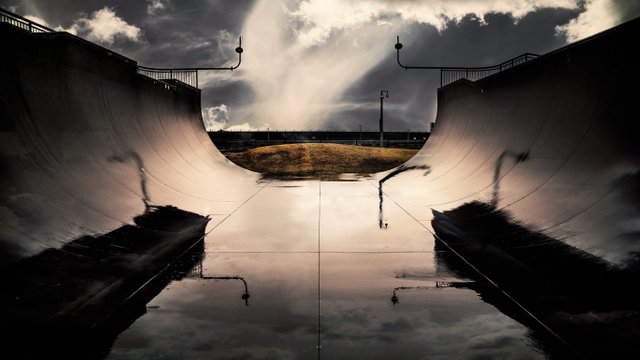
x: 399, y: 170
x: 383, y: 94
x: 439, y: 285
x: 244, y: 296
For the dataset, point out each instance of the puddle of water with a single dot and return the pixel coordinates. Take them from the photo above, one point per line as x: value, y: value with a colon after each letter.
x: 320, y: 274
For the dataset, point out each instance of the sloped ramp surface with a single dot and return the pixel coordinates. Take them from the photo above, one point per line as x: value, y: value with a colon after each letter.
x: 108, y: 177
x: 531, y: 182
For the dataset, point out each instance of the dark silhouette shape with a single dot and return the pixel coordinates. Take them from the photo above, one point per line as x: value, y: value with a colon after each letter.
x: 573, y: 302
x: 245, y: 296
x: 518, y: 157
x: 383, y: 94
x: 197, y: 273
x: 380, y: 206
x: 399, y: 170
x: 439, y: 285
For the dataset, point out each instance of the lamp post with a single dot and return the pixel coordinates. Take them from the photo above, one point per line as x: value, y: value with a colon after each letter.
x: 383, y: 94
x: 186, y: 72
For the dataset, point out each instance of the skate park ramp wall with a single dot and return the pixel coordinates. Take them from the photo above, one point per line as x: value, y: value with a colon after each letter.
x: 87, y: 144
x: 553, y: 143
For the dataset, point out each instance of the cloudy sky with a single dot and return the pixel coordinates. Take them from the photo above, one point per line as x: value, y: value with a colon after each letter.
x: 320, y: 64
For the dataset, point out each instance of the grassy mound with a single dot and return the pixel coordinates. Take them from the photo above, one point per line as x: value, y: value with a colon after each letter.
x: 305, y: 159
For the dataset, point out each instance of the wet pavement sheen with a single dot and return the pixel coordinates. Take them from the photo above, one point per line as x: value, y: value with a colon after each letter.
x: 320, y: 274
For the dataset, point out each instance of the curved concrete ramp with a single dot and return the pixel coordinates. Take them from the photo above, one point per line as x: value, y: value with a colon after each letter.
x: 87, y: 144
x: 108, y: 177
x: 554, y: 142
x: 531, y: 181
x: 526, y: 194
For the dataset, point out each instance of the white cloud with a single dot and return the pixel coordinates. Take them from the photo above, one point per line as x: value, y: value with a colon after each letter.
x: 216, y: 117
x: 104, y: 26
x: 319, y: 19
x: 598, y: 15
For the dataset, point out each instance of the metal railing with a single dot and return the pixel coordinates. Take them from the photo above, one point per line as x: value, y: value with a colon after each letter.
x: 449, y: 74
x: 187, y: 76
x: 21, y: 22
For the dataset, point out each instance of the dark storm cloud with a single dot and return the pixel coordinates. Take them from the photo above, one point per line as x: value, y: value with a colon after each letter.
x: 178, y: 33
x: 412, y: 98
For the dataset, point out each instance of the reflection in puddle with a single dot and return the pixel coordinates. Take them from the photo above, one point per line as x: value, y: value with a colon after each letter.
x: 570, y: 298
x: 395, y: 299
x: 346, y: 285
x: 77, y: 299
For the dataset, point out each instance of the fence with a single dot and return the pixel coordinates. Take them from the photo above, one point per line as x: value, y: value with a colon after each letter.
x: 189, y: 77
x: 449, y: 75
x: 22, y: 23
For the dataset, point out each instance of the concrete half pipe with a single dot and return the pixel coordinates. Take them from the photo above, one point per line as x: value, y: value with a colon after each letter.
x: 527, y: 193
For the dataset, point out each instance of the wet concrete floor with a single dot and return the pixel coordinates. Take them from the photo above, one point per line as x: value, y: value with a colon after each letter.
x: 307, y: 269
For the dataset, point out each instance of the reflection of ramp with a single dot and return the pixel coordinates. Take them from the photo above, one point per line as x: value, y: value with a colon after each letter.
x: 78, y: 298
x: 107, y: 178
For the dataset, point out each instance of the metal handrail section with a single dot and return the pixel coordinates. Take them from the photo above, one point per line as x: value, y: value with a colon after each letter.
x: 22, y: 22
x: 189, y: 77
x: 186, y: 75
x: 449, y: 74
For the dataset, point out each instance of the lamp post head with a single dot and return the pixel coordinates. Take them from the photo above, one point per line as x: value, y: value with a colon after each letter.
x: 239, y: 49
x: 398, y: 45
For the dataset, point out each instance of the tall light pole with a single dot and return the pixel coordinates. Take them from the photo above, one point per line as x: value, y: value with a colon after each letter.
x: 383, y: 94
